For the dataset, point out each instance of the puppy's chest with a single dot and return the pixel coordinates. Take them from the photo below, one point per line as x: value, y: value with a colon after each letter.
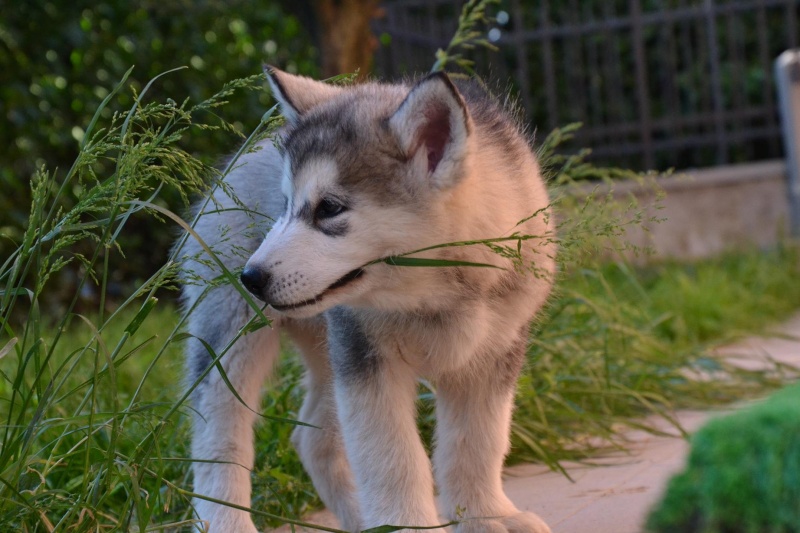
x: 436, y: 343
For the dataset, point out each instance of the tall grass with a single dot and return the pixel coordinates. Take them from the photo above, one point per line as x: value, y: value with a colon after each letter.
x: 578, y: 385
x: 81, y: 448
x: 618, y: 344
x: 95, y: 435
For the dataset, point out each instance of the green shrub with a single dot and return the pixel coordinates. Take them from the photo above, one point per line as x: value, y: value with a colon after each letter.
x: 58, y: 60
x: 743, y: 474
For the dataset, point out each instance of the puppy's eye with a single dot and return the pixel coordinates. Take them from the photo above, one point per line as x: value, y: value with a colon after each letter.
x: 328, y: 208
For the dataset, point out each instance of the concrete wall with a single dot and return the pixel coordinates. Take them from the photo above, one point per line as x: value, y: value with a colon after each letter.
x: 714, y: 210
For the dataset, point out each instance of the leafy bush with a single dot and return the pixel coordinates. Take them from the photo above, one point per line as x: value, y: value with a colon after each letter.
x: 743, y: 474
x: 59, y: 59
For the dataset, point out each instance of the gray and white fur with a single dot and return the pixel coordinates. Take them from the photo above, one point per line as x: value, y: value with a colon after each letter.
x: 366, y: 172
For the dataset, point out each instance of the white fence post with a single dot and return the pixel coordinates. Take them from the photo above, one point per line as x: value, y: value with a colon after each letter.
x: 787, y: 76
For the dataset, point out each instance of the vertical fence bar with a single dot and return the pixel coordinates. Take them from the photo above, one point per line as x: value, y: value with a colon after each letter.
x: 614, y: 107
x: 671, y: 92
x: 738, y: 90
x: 787, y: 76
x: 574, y: 64
x: 693, y: 100
x: 643, y: 101
x: 431, y: 21
x: 765, y: 58
x: 549, y: 66
x: 594, y: 83
x: 716, y: 82
x: 522, y: 70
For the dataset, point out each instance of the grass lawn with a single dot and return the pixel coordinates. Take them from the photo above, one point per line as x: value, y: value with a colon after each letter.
x: 93, y: 439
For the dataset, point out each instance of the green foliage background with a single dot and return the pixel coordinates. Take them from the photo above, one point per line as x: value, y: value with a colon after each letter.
x: 58, y: 60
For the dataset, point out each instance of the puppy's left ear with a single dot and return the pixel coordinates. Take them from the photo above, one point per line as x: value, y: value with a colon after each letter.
x: 432, y: 125
x: 297, y: 95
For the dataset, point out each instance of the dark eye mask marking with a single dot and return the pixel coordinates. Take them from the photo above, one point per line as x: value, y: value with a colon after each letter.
x: 324, y: 216
x: 329, y: 208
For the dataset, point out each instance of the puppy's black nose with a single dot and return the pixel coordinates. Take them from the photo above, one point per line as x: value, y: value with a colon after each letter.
x: 255, y: 280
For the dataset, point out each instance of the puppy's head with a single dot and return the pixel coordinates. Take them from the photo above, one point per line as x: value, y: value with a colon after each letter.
x: 365, y: 168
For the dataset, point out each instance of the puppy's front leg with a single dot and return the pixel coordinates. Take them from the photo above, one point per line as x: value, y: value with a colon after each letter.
x: 473, y: 413
x: 375, y: 397
x: 320, y: 447
x: 222, y: 439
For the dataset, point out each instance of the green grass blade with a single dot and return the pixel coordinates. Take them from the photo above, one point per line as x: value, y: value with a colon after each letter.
x: 403, y: 261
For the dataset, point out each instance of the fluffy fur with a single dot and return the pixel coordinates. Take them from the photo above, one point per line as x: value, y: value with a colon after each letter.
x: 366, y: 172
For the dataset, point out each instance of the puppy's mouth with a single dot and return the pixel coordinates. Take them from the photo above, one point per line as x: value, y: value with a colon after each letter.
x: 338, y: 284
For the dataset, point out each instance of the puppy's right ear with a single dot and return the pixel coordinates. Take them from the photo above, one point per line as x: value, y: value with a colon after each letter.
x: 298, y: 94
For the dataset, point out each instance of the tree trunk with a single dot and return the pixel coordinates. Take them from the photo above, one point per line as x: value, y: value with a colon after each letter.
x: 346, y: 40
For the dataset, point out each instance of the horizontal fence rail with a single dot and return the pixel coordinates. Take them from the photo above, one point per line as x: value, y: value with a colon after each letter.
x: 656, y: 83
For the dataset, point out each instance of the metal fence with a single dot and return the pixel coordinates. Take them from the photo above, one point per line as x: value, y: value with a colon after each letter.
x: 656, y: 83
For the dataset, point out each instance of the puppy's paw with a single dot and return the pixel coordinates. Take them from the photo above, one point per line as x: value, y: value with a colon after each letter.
x: 515, y: 523
x: 525, y: 523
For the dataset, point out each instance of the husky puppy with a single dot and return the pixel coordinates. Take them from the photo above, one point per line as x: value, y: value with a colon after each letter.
x: 366, y: 172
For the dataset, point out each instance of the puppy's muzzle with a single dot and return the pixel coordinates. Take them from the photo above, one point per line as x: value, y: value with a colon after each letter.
x: 255, y: 280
